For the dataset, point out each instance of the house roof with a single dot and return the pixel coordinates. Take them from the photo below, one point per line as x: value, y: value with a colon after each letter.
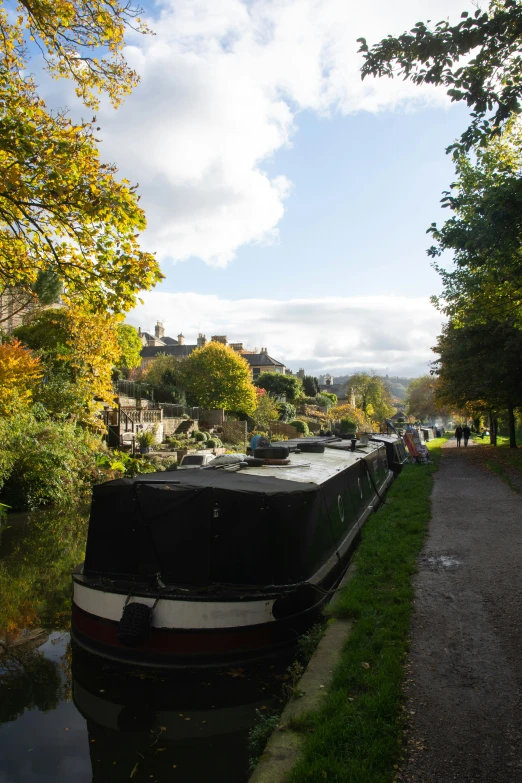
x: 169, y: 341
x: 254, y: 359
x: 169, y: 350
x: 261, y: 360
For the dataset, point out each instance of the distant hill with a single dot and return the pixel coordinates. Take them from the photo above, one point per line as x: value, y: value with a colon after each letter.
x: 395, y: 384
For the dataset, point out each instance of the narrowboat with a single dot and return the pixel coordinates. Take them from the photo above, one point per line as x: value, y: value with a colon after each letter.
x: 218, y: 565
x: 396, y: 453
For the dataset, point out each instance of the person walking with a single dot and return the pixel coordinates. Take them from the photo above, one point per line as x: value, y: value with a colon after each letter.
x: 466, y: 432
x: 458, y: 434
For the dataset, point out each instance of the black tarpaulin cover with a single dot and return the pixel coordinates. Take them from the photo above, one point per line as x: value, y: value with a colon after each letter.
x: 212, y: 526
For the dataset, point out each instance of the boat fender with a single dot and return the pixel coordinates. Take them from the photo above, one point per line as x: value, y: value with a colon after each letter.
x: 253, y: 462
x: 313, y: 448
x: 272, y: 452
x: 135, y: 623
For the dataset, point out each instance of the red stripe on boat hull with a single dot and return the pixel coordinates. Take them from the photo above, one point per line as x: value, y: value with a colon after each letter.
x: 173, y: 647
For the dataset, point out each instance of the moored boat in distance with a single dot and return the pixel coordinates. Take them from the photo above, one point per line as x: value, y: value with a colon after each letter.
x: 221, y: 565
x: 396, y: 453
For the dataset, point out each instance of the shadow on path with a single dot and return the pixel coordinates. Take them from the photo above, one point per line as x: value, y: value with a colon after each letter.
x: 464, y: 671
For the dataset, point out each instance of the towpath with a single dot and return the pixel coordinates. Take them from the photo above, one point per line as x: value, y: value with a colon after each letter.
x: 463, y: 692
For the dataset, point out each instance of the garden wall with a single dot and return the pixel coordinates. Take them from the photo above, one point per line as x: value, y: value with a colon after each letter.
x: 213, y: 418
x: 235, y: 432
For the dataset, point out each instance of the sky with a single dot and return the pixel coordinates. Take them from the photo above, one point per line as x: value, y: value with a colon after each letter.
x: 287, y: 200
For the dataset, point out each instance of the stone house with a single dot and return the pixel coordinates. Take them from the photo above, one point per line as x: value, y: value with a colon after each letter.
x: 159, y: 343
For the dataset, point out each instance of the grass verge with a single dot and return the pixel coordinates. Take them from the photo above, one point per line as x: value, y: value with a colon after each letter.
x: 499, y: 459
x: 357, y: 735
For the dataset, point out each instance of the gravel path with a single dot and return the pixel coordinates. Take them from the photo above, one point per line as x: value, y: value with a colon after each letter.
x: 463, y: 692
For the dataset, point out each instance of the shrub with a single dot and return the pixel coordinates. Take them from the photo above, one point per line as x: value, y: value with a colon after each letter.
x: 146, y: 438
x: 348, y: 425
x: 324, y: 400
x: 286, y: 411
x: 199, y: 436
x: 211, y: 443
x: 44, y: 462
x: 301, y: 426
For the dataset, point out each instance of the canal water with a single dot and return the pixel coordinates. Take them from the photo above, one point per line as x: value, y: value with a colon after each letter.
x: 66, y: 716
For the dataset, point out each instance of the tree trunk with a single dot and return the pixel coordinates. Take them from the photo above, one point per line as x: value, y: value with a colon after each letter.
x: 492, y: 429
x: 512, y: 433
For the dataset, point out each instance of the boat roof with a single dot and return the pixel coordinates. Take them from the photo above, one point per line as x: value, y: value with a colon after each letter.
x: 305, y: 471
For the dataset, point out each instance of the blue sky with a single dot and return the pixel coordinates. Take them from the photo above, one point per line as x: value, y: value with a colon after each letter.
x: 286, y: 199
x: 365, y: 188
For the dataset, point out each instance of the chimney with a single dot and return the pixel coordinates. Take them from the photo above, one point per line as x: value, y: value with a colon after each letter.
x: 159, y: 331
x: 181, y: 339
x: 139, y: 331
x: 201, y: 340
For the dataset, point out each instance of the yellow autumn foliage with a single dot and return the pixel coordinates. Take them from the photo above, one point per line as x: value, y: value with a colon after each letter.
x: 216, y: 376
x: 20, y: 371
x: 61, y: 209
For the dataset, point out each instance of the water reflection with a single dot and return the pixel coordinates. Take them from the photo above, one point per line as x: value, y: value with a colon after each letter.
x: 65, y: 715
x: 187, y: 727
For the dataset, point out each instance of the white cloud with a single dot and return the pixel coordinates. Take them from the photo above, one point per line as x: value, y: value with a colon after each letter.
x: 223, y: 82
x: 331, y: 334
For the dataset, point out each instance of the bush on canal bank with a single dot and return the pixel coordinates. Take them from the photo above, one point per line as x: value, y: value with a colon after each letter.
x: 357, y: 734
x: 45, y: 462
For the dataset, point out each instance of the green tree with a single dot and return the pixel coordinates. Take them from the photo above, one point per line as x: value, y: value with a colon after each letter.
x: 279, y: 385
x: 484, y: 233
x: 310, y: 385
x: 372, y: 396
x: 130, y: 347
x: 480, y: 369
x: 216, y: 376
x: 165, y: 375
x: 421, y: 398
x: 62, y: 211
x: 490, y: 82
x: 266, y: 410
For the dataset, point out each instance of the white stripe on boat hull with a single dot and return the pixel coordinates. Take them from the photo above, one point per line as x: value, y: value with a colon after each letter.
x: 171, y: 613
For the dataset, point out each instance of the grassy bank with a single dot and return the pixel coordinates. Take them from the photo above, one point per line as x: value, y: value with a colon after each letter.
x: 499, y: 459
x: 357, y: 735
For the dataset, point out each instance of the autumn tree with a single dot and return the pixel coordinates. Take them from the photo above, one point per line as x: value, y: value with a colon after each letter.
x: 78, y: 351
x: 371, y: 395
x: 62, y: 211
x: 348, y: 412
x: 20, y: 371
x: 280, y: 385
x: 266, y: 409
x: 130, y: 347
x: 216, y: 376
